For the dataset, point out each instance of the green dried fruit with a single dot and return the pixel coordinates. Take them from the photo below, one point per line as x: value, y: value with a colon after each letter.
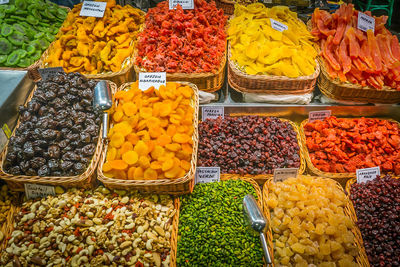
x: 5, y: 46
x: 22, y: 53
x: 6, y: 30
x: 30, y: 49
x: 16, y: 38
x: 19, y: 28
x: 13, y: 59
x: 24, y: 62
x: 32, y: 20
x: 3, y: 58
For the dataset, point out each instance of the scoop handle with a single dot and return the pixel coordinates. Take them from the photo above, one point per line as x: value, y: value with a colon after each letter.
x: 265, y: 248
x: 105, y: 125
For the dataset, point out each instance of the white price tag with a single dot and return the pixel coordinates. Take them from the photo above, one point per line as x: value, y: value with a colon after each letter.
x: 212, y: 112
x: 47, y: 72
x: 4, y: 2
x: 149, y: 79
x: 93, y: 9
x: 365, y: 22
x: 368, y: 174
x: 185, y: 4
x: 281, y: 174
x: 276, y: 25
x: 38, y: 190
x: 207, y: 175
x: 318, y: 115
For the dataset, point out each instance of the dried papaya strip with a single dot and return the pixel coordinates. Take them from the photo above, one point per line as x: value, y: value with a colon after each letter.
x: 329, y: 55
x: 354, y: 46
x: 344, y: 57
x: 374, y: 50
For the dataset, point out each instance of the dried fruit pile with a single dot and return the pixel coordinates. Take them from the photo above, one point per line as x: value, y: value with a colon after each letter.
x: 58, y: 130
x: 152, y: 133
x: 344, y: 145
x: 183, y: 40
x: 92, y: 228
x: 258, y: 48
x: 377, y: 205
x: 26, y: 29
x: 309, y: 224
x: 92, y: 45
x: 7, y: 198
x: 367, y: 58
x: 248, y: 144
x: 212, y: 227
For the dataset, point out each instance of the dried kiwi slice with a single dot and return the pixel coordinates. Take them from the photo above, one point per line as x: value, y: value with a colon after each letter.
x: 32, y: 20
x: 21, y: 4
x: 36, y: 14
x: 16, y: 38
x: 6, y: 30
x: 19, y: 28
x: 43, y: 43
x: 30, y: 49
x: 13, y: 59
x: 24, y: 62
x: 39, y: 35
x: 35, y: 56
x: 3, y: 59
x: 22, y: 52
x: 5, y: 46
x: 49, y: 37
x: 9, y: 9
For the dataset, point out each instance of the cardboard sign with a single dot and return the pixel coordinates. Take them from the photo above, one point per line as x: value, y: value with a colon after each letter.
x: 365, y: 22
x: 149, y: 79
x: 207, y: 175
x: 276, y: 25
x: 212, y: 112
x: 93, y: 9
x: 185, y: 4
x: 318, y: 115
x: 48, y: 72
x: 281, y: 174
x: 368, y: 174
x: 38, y: 190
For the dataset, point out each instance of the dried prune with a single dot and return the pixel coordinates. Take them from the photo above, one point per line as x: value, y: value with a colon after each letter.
x: 66, y: 165
x: 54, y: 151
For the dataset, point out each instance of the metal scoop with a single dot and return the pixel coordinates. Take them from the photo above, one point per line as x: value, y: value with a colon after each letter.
x: 102, y: 100
x: 257, y: 221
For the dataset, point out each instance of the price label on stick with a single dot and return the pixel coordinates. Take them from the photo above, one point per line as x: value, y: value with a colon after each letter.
x: 281, y: 174
x: 365, y: 22
x: 368, y: 174
x: 185, y: 4
x: 93, y: 9
x: 276, y: 25
x: 48, y: 72
x: 207, y: 175
x: 4, y: 2
x: 38, y: 190
x: 212, y: 112
x: 318, y: 115
x: 149, y: 79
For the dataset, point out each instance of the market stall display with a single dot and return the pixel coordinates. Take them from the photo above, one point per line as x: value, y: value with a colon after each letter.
x: 249, y: 145
x: 228, y: 6
x: 93, y: 228
x: 377, y: 215
x: 311, y: 222
x: 27, y: 29
x: 8, y: 200
x: 190, y: 45
x: 357, y: 65
x: 212, y: 227
x: 337, y: 147
x: 153, y: 138
x: 97, y: 47
x: 56, y: 138
x: 270, y: 51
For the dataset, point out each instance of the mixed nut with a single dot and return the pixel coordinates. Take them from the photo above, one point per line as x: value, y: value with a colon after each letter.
x: 92, y: 228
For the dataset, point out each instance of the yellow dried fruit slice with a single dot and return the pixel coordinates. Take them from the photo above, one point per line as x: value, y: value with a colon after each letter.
x: 130, y: 157
x: 129, y: 109
x: 117, y: 140
x: 118, y: 164
x: 168, y: 164
x: 141, y: 149
x: 150, y: 174
x: 181, y: 138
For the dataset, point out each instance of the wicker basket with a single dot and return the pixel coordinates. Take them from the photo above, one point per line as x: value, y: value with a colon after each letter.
x: 340, y: 177
x: 7, y: 227
x: 174, y: 235
x: 262, y: 178
x: 361, y: 258
x: 267, y: 84
x: 84, y: 180
x: 178, y: 186
x: 227, y: 6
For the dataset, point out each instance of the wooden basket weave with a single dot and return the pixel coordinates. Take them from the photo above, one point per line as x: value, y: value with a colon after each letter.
x: 84, y: 180
x: 262, y: 178
x: 8, y: 226
x: 268, y: 84
x: 340, y: 177
x: 175, y: 231
x: 178, y: 186
x: 361, y: 258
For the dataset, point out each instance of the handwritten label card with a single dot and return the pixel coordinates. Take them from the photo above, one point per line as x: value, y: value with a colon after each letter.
x: 368, y: 174
x: 93, y: 9
x: 38, y: 190
x: 48, y: 72
x: 281, y: 174
x: 185, y: 4
x: 149, y: 79
x: 365, y: 22
x: 207, y: 174
x: 318, y: 115
x: 276, y: 25
x: 212, y: 112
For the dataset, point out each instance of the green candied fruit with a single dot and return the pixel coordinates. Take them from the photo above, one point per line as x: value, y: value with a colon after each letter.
x: 49, y: 37
x: 22, y: 52
x: 36, y: 14
x: 30, y: 49
x: 5, y: 46
x: 32, y: 20
x: 3, y: 59
x: 21, y: 4
x: 6, y: 30
x: 39, y: 35
x: 36, y: 56
x: 16, y: 38
x: 13, y: 59
x: 19, y: 28
x: 24, y: 62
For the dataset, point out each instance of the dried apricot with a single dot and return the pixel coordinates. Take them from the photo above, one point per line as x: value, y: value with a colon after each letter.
x: 156, y: 165
x: 111, y: 153
x: 133, y: 138
x: 144, y: 162
x: 123, y: 127
x: 173, y: 147
x: 150, y: 145
x: 157, y: 152
x: 131, y: 172
x: 186, y: 148
x: 146, y: 112
x: 130, y: 157
x: 129, y: 109
x: 118, y: 174
x: 155, y: 131
x: 173, y: 173
x: 106, y: 167
x: 163, y: 140
x: 117, y: 140
x: 150, y: 174
x: 119, y: 94
x: 141, y: 148
x: 186, y: 91
x: 127, y: 146
x: 171, y: 130
x: 128, y: 95
x: 118, y: 164
x: 138, y: 174
x: 185, y: 165
x: 168, y: 164
x: 165, y: 109
x: 181, y: 138
x: 118, y: 116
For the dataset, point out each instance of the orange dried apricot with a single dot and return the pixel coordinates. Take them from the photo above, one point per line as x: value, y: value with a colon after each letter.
x: 138, y: 174
x: 131, y: 172
x: 164, y: 123
x: 144, y: 162
x: 146, y: 112
x: 181, y: 138
x: 173, y: 173
x: 133, y: 138
x: 185, y: 165
x: 173, y: 147
x: 111, y: 153
x: 186, y: 148
x: 168, y: 164
x: 157, y: 152
x: 150, y: 174
x: 150, y: 145
x: 118, y: 174
x: 141, y: 148
x: 118, y: 164
x: 123, y: 127
x: 128, y: 95
x: 106, y: 167
x: 120, y: 94
x: 163, y: 140
x: 154, y: 131
x: 118, y: 116
x: 117, y: 140
x: 165, y: 109
x: 129, y: 109
x: 156, y: 165
x: 127, y: 146
x: 130, y: 157
x: 186, y: 91
x: 171, y: 130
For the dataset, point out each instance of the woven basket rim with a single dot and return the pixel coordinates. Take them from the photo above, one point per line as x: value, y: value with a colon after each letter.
x: 66, y: 181
x: 315, y: 170
x: 349, y: 211
x: 189, y: 176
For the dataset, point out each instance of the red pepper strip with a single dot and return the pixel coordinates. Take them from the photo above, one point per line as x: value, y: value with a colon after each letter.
x: 328, y: 53
x: 344, y: 57
x: 354, y: 46
x: 374, y: 50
